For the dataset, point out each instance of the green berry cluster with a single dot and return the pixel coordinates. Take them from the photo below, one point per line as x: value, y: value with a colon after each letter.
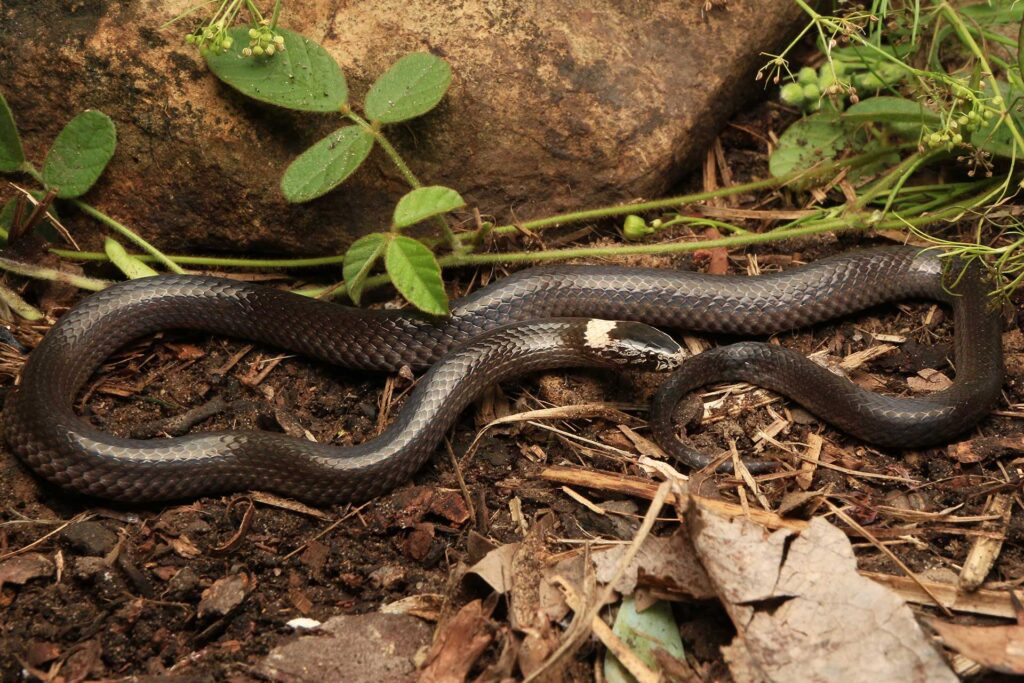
x: 847, y: 75
x: 958, y: 127
x: 211, y: 38
x: 263, y: 40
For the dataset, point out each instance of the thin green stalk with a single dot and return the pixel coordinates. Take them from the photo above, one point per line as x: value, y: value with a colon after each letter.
x: 211, y: 261
x: 830, y: 225
x: 450, y: 238
x: 158, y: 255
x: 953, y: 17
x: 43, y: 273
x: 537, y: 224
x: 676, y: 202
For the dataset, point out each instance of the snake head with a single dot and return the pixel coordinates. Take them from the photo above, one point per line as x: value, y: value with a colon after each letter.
x: 635, y: 345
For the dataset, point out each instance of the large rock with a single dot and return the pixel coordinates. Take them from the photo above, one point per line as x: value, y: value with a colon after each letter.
x: 555, y: 104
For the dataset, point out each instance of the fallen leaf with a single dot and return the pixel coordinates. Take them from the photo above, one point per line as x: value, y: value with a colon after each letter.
x: 426, y: 606
x: 496, y: 567
x: 666, y: 563
x: 645, y: 633
x: 790, y: 595
x: 458, y: 644
x: 929, y: 380
x: 1000, y: 648
x: 22, y: 568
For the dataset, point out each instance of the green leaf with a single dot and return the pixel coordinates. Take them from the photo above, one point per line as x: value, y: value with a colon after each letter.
x: 426, y: 202
x: 410, y: 88
x: 812, y: 139
x: 891, y: 110
x: 80, y: 153
x: 303, y: 77
x: 12, y: 156
x: 416, y: 274
x: 327, y: 164
x: 359, y: 261
x: 132, y: 267
x: 644, y: 632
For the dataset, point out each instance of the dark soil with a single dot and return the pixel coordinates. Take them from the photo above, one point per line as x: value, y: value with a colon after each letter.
x: 123, y: 595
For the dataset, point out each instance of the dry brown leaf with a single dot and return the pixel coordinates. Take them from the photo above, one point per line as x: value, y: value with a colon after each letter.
x: 801, y: 610
x: 458, y: 644
x: 666, y: 563
x: 496, y: 567
x: 1000, y: 648
x: 426, y: 606
x: 22, y: 568
x: 929, y: 380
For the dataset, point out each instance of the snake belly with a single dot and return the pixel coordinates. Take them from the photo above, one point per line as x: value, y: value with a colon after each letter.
x: 43, y: 430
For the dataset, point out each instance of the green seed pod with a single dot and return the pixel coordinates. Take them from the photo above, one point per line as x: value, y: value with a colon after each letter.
x: 811, y: 92
x: 635, y: 228
x: 792, y: 94
x: 257, y: 50
x: 279, y: 40
x: 253, y: 33
x: 807, y: 75
x: 247, y: 52
x: 227, y: 43
x: 270, y: 50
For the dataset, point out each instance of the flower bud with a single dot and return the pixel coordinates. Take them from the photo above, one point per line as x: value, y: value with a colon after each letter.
x: 635, y: 228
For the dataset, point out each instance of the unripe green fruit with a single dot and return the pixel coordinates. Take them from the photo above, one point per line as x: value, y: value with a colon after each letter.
x: 792, y: 94
x: 635, y: 228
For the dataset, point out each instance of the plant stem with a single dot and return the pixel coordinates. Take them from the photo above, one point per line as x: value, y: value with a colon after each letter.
x: 845, y: 224
x: 449, y: 237
x: 953, y: 17
x: 42, y: 273
x: 555, y: 221
x: 158, y: 255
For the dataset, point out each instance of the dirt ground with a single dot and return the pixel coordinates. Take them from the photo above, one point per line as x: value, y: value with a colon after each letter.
x: 142, y: 591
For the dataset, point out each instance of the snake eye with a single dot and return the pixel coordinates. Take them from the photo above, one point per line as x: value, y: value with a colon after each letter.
x: 633, y: 344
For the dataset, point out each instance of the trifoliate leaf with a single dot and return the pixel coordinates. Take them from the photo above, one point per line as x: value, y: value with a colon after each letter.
x: 303, y: 76
x: 410, y: 88
x: 12, y: 156
x: 326, y: 164
x: 426, y: 202
x: 359, y: 261
x: 416, y: 274
x: 80, y: 153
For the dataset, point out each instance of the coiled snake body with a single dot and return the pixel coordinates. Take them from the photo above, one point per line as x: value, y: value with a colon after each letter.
x: 516, y: 315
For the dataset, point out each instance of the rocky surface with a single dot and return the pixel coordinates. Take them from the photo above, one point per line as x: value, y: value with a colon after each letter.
x: 553, y: 106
